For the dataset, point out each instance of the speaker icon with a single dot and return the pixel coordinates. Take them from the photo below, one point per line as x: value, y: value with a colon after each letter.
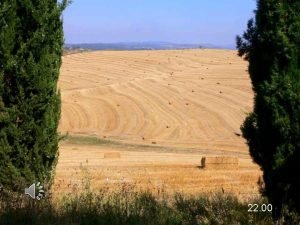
x: 35, y: 191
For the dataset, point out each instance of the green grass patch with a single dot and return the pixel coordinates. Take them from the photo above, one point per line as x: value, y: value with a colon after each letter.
x: 132, y: 208
x: 87, y: 140
x: 91, y: 140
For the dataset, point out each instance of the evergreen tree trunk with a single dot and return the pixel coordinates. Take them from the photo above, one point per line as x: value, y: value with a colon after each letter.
x: 272, y: 46
x: 31, y: 45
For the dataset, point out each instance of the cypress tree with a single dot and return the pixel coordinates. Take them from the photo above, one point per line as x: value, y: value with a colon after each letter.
x: 31, y: 45
x: 271, y: 44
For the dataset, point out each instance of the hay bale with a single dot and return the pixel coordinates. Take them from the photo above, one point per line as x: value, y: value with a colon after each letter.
x: 220, y: 162
x: 112, y: 155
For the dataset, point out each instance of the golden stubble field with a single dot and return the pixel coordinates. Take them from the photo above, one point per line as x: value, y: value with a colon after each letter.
x: 158, y: 113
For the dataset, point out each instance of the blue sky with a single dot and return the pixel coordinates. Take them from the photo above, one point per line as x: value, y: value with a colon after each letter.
x: 179, y: 21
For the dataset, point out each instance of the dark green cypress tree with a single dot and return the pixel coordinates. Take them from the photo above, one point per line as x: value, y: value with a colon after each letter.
x: 31, y: 45
x: 272, y: 46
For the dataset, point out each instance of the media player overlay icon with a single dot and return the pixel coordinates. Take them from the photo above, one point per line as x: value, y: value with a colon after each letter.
x: 35, y: 191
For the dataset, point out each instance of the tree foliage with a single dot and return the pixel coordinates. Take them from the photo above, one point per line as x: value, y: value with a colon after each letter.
x: 271, y: 44
x: 31, y: 44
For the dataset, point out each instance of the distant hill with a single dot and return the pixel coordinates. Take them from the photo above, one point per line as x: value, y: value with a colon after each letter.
x: 140, y: 46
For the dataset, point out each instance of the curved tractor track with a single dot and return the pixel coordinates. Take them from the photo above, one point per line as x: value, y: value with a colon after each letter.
x: 189, y: 98
x: 160, y: 112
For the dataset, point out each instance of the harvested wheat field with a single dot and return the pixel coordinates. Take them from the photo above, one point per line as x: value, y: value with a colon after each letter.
x: 157, y: 114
